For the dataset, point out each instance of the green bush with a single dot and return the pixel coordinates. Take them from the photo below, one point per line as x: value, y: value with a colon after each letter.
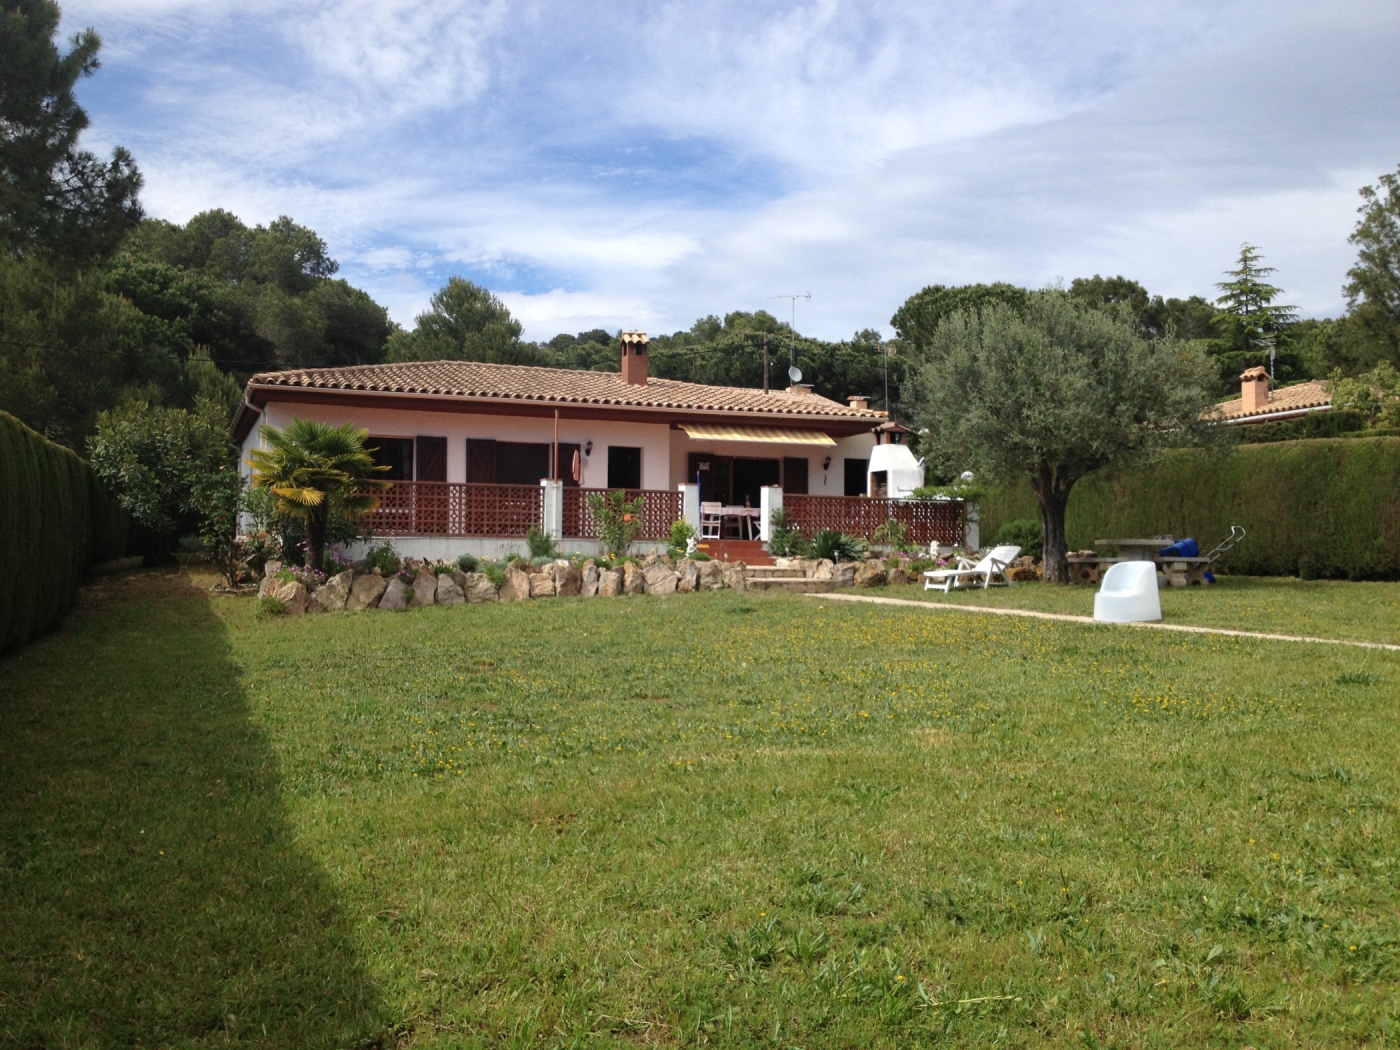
x: 57, y: 521
x: 467, y: 562
x: 1026, y: 533
x: 541, y: 543
x: 836, y: 546
x: 1324, y: 508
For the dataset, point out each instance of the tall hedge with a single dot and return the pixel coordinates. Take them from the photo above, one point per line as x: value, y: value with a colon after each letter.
x: 1317, y: 508
x: 56, y: 522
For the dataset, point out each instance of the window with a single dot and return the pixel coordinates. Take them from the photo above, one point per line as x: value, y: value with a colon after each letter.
x: 855, y: 476
x: 624, y: 467
x: 521, y: 463
x: 394, y: 453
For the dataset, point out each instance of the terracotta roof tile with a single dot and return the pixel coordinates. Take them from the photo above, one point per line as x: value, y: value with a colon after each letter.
x: 1312, y: 394
x: 559, y: 385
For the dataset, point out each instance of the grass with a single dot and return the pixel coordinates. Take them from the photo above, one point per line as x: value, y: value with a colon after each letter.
x: 1368, y: 612
x: 711, y: 820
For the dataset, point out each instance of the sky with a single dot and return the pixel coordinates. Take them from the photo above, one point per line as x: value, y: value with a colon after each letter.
x: 644, y: 164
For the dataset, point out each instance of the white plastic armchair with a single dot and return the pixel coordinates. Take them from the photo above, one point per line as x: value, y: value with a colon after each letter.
x: 992, y: 565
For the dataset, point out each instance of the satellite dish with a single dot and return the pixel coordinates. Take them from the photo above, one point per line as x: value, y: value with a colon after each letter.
x: 795, y: 374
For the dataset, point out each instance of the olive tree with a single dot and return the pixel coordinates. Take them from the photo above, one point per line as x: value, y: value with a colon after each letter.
x: 1051, y: 392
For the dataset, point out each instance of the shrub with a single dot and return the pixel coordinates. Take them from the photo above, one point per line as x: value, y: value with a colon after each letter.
x: 1326, y: 507
x: 384, y: 558
x: 467, y: 562
x: 495, y: 572
x: 270, y: 606
x: 541, y: 543
x: 619, y: 520
x: 836, y: 546
x: 893, y: 533
x: 682, y: 532
x: 1025, y: 533
x: 54, y: 514
x: 785, y: 540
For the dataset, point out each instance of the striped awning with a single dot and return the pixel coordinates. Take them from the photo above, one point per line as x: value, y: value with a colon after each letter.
x: 770, y: 435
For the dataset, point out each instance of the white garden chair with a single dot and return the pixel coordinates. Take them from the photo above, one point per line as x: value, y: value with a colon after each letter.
x: 710, y: 520
x: 992, y: 565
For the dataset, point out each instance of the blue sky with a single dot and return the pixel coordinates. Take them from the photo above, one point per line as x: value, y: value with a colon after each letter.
x: 640, y: 165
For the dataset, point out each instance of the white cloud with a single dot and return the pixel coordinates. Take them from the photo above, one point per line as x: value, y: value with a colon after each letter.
x: 642, y: 163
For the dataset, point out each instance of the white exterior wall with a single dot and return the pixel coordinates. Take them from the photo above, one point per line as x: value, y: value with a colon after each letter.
x: 652, y: 438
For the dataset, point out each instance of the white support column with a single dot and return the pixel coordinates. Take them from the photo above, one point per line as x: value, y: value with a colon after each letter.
x: 972, y: 532
x: 770, y: 498
x: 690, y: 505
x: 553, y: 524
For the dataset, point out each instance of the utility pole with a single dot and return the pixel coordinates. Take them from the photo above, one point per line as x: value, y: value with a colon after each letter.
x: 886, y: 348
x: 765, y: 364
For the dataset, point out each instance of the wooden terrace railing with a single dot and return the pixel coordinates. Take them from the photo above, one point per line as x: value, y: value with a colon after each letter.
x: 659, y: 509
x: 444, y: 508
x: 928, y: 520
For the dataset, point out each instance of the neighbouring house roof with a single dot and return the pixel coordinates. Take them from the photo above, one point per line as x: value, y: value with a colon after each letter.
x: 1312, y: 396
x: 526, y: 389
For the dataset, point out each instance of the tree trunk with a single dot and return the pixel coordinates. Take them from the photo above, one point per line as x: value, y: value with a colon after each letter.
x: 1052, y: 492
x: 316, y: 539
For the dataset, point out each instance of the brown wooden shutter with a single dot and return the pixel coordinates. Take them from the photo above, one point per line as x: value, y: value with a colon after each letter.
x: 432, y: 459
x: 795, y: 475
x: 481, y: 461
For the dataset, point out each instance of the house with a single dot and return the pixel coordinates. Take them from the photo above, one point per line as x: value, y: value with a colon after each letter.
x: 1258, y: 404
x: 478, y: 452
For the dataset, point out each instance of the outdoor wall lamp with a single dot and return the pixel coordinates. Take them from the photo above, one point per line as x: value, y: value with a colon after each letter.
x: 826, y: 463
x: 588, y: 448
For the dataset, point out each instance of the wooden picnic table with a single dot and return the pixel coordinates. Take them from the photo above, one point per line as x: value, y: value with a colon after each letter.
x: 748, y: 518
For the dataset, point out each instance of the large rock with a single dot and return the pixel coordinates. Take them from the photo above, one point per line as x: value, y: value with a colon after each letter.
x: 660, y: 578
x: 688, y: 576
x: 517, y: 585
x: 568, y: 580
x: 588, y: 586
x: 871, y: 574
x: 609, y: 583
x: 843, y: 574
x: 807, y: 565
x: 542, y: 584
x: 448, y: 592
x: 633, y: 578
x: 366, y: 592
x: 732, y: 573
x: 270, y: 582
x: 332, y: 595
x: 711, y: 577
x: 396, y: 595
x: 424, y: 588
x: 825, y: 570
x: 650, y: 560
x: 900, y: 575
x: 293, y: 597
x: 479, y: 588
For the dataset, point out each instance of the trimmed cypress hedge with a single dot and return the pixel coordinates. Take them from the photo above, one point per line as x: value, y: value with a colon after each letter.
x: 56, y: 522
x: 1319, y: 508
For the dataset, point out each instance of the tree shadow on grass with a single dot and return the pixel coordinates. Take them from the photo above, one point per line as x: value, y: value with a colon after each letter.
x: 150, y: 888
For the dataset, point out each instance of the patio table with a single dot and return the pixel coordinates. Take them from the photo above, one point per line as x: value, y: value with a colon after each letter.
x: 1138, y: 549
x: 747, y: 517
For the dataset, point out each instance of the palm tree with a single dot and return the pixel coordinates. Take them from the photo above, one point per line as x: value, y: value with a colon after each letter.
x: 313, y: 466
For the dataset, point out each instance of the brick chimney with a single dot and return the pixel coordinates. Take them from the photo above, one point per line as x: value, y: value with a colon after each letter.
x: 859, y: 401
x: 1254, y: 389
x: 634, y: 358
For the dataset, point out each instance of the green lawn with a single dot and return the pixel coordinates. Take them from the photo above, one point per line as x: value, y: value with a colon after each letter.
x: 1368, y: 612
x: 708, y: 820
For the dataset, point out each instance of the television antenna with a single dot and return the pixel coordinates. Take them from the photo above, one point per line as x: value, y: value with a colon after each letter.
x: 792, y: 327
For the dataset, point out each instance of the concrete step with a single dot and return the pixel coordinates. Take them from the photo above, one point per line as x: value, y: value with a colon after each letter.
x: 772, y: 572
x: 789, y: 585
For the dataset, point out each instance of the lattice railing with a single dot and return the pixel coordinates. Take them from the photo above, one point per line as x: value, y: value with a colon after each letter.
x: 441, y: 508
x: 928, y: 520
x: 659, y: 509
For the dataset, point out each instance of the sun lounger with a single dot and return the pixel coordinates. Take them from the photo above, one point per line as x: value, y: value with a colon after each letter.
x: 994, y: 564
